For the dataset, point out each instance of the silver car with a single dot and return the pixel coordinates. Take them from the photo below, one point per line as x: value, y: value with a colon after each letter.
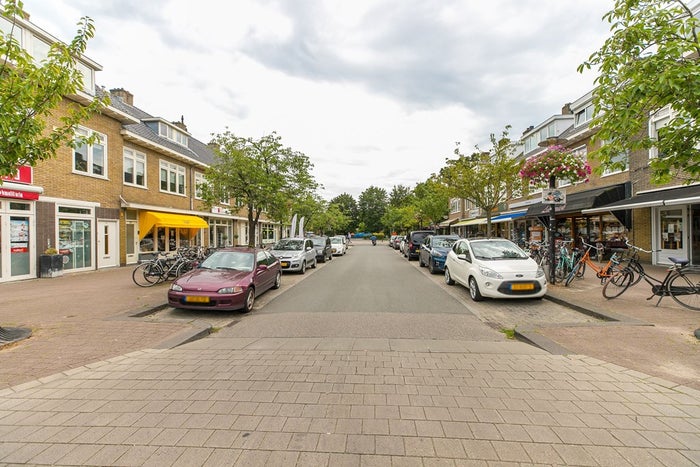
x: 295, y: 254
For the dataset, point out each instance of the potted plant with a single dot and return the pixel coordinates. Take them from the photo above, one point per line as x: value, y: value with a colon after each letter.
x: 51, y: 263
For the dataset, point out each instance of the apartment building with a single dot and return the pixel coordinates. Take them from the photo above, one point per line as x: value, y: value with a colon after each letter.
x: 133, y: 191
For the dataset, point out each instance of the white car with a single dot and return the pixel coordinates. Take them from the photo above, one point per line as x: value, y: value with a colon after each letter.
x: 295, y: 254
x: 494, y: 267
x: 339, y: 245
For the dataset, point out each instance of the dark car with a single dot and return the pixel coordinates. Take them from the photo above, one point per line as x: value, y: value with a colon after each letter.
x: 323, y: 247
x: 433, y: 251
x: 229, y: 279
x: 413, y: 242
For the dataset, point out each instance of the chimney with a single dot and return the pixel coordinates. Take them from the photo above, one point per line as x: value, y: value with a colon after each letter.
x: 181, y: 123
x: 123, y: 95
x: 566, y: 110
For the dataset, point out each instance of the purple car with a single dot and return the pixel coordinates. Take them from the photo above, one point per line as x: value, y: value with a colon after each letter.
x: 229, y: 279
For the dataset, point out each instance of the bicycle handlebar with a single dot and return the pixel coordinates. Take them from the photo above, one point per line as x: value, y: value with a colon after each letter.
x: 629, y: 245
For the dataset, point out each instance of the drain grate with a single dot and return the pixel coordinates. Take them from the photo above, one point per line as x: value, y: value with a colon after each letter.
x: 9, y: 335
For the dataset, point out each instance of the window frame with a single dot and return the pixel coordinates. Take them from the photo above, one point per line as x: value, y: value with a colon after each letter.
x: 90, y: 153
x: 180, y: 172
x: 135, y: 157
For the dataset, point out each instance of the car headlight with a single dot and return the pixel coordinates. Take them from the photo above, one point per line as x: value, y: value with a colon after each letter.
x: 176, y: 288
x: 540, y: 272
x: 230, y: 290
x: 438, y: 254
x: 489, y: 273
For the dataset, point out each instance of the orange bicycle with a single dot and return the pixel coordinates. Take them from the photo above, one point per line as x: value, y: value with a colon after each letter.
x: 601, y: 272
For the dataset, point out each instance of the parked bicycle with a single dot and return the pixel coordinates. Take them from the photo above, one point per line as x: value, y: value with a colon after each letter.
x: 681, y: 283
x: 162, y: 267
x: 602, y: 272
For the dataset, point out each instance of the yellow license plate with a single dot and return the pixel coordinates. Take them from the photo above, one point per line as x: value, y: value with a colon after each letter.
x: 522, y: 287
x: 190, y: 299
x: 284, y: 264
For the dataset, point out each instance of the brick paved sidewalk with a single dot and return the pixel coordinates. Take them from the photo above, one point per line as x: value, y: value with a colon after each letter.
x: 227, y: 400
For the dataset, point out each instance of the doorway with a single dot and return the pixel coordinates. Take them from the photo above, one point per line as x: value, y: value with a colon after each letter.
x: 107, y: 244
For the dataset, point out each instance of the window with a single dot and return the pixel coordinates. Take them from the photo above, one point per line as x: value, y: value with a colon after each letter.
x: 199, y: 180
x: 90, y: 159
x: 40, y: 50
x: 621, y: 158
x: 134, y: 168
x: 88, y: 77
x: 172, y: 178
x: 268, y: 233
x: 455, y: 205
x: 584, y: 116
x: 657, y: 122
x: 172, y: 134
x: 6, y: 27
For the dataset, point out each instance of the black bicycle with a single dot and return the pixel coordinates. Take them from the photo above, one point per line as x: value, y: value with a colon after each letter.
x: 681, y: 283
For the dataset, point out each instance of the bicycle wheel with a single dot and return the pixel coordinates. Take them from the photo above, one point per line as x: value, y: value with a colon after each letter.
x: 185, y: 266
x: 561, y: 271
x: 684, y: 288
x: 617, y: 284
x: 572, y: 274
x: 638, y: 270
x: 581, y: 270
x: 147, y: 274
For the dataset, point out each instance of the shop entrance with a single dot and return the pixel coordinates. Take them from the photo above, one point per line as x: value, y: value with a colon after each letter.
x: 17, y: 259
x: 671, y: 233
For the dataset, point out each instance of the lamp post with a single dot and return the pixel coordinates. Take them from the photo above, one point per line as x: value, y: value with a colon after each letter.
x: 552, y: 231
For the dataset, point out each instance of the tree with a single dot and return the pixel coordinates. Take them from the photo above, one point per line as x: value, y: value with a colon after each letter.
x: 371, y: 206
x: 432, y: 201
x: 400, y: 219
x: 330, y: 221
x: 487, y: 179
x: 649, y: 64
x: 30, y: 92
x: 261, y: 174
x: 348, y: 206
x: 400, y: 195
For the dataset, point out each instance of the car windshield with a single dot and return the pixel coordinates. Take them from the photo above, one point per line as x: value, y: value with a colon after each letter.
x: 336, y: 240
x: 497, y: 250
x: 319, y: 241
x: 289, y: 245
x: 444, y: 242
x: 238, y: 260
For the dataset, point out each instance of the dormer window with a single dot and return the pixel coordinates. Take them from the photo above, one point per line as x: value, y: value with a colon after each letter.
x: 172, y: 134
x: 584, y: 116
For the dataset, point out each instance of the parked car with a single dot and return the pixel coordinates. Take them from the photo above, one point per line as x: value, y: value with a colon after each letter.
x: 402, y: 245
x: 494, y: 267
x: 413, y: 242
x: 396, y: 242
x: 433, y: 251
x: 324, y: 250
x: 229, y: 279
x: 339, y: 245
x: 295, y: 254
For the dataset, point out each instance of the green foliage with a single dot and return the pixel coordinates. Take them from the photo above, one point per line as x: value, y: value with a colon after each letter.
x: 348, y: 206
x: 649, y: 63
x: 400, y: 219
x: 487, y: 179
x: 400, y: 195
x: 432, y: 201
x: 261, y: 174
x: 30, y: 92
x: 372, y: 205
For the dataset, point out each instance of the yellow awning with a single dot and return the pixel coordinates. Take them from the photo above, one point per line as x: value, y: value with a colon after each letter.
x: 480, y: 220
x: 149, y: 219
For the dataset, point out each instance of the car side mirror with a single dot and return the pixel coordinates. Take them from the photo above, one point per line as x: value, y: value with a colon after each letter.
x: 464, y: 257
x: 262, y: 267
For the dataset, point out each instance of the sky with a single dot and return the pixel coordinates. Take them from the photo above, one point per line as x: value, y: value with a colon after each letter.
x: 374, y: 92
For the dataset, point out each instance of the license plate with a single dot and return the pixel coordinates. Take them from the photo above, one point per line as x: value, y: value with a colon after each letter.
x: 529, y: 286
x: 190, y: 299
x: 284, y: 264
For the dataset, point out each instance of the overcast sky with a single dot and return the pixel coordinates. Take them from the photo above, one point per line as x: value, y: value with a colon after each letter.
x: 374, y: 92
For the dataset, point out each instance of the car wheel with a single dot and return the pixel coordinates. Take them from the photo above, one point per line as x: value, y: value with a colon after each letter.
x: 249, y: 300
x: 431, y: 266
x: 330, y: 257
x: 278, y: 281
x: 302, y: 270
x: 420, y: 262
x: 448, y: 278
x: 313, y: 266
x: 474, y: 290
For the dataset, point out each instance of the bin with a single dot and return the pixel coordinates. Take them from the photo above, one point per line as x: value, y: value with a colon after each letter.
x: 50, y: 265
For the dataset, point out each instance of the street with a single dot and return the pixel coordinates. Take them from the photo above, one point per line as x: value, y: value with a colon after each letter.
x: 331, y: 372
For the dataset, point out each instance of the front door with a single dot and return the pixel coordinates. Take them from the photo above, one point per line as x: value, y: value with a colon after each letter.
x: 132, y: 243
x: 107, y: 244
x: 672, y: 233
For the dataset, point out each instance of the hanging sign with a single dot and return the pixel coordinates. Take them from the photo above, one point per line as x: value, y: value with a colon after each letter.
x: 553, y: 196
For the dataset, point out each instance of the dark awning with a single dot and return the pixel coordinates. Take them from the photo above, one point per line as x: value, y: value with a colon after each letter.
x: 584, y: 200
x: 668, y: 197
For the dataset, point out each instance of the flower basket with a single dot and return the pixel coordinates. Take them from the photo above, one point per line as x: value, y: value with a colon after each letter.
x: 557, y: 162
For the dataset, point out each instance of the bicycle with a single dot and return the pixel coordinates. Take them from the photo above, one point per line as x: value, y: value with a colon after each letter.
x: 161, y: 268
x: 601, y: 272
x: 565, y: 260
x: 681, y: 284
x: 632, y: 262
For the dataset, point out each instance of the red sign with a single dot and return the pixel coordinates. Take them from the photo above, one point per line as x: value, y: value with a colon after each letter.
x: 7, y: 193
x: 23, y: 175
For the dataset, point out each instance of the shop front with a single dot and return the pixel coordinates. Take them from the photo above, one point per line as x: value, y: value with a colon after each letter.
x: 18, y: 259
x: 666, y: 221
x: 166, y: 232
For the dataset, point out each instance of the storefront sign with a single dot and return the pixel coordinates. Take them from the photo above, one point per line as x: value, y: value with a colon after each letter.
x: 553, y: 196
x: 17, y: 194
x: 23, y: 175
